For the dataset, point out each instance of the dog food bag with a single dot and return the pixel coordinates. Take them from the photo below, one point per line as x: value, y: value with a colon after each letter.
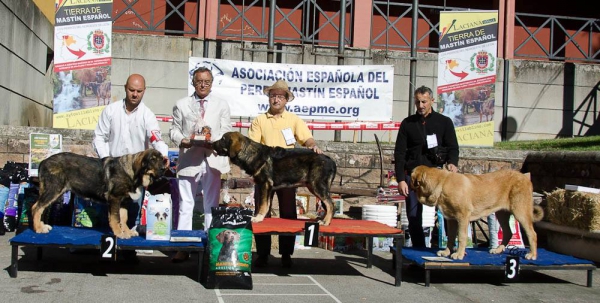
x: 230, y: 249
x: 158, y: 217
x: 88, y: 213
x: 11, y: 208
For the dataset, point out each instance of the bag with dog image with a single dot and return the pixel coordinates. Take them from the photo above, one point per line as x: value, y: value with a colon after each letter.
x: 230, y: 248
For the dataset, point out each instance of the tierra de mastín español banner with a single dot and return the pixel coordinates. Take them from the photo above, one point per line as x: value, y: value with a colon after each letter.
x: 467, y: 74
x: 82, y: 62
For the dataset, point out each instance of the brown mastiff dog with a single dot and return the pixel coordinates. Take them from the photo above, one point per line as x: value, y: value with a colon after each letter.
x: 465, y: 197
x: 273, y: 168
x: 116, y: 180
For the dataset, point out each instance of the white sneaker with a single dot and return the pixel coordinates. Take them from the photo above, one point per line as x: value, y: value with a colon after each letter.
x: 144, y: 251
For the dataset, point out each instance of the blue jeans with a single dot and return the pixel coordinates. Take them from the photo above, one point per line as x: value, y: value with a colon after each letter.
x: 414, y: 213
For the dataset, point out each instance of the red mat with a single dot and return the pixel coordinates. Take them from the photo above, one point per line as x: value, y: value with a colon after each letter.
x: 337, y: 226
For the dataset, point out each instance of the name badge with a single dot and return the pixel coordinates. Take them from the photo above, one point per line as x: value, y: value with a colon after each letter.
x: 288, y: 135
x: 432, y: 141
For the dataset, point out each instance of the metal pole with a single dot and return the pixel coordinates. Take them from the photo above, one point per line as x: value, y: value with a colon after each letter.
x: 271, y: 38
x: 507, y: 45
x: 337, y: 134
x: 413, y: 55
x: 205, y: 43
x: 504, y: 131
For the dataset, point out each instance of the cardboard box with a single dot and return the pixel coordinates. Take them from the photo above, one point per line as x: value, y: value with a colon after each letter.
x: 159, y: 217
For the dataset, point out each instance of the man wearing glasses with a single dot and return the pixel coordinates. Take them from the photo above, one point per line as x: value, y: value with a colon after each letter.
x: 278, y: 127
x: 197, y: 164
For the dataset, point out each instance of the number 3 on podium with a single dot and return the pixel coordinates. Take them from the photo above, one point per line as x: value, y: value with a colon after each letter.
x: 511, y: 271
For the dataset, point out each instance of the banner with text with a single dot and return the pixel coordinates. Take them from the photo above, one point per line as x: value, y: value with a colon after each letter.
x: 322, y: 92
x: 82, y: 62
x: 467, y: 74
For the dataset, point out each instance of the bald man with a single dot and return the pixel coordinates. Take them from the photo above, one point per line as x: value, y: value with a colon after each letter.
x: 128, y: 126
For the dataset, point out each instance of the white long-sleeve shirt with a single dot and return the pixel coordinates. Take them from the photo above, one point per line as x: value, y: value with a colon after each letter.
x: 118, y: 133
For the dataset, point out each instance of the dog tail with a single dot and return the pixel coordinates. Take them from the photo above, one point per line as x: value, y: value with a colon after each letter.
x: 334, y: 174
x: 538, y: 213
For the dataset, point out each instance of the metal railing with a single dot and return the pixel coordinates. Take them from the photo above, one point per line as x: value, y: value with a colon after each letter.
x: 315, y: 19
x: 561, y: 39
x: 158, y: 16
x: 392, y: 13
x: 547, y: 37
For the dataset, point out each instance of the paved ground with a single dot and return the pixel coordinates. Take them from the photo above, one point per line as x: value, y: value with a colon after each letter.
x: 317, y: 276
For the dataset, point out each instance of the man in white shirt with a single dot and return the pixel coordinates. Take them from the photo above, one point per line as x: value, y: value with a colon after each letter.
x: 198, y: 164
x: 126, y: 127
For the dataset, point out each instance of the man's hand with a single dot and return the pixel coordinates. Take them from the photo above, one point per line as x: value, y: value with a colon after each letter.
x: 451, y: 167
x: 403, y: 188
x: 185, y: 143
x: 316, y: 149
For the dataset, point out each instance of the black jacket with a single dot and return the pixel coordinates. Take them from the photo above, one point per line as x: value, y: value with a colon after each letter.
x: 411, y: 143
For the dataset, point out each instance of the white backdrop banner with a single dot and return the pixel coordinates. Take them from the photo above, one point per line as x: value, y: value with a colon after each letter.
x: 323, y: 92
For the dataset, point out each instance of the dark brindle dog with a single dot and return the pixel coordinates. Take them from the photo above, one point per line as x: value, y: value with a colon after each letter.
x: 273, y: 168
x: 116, y: 180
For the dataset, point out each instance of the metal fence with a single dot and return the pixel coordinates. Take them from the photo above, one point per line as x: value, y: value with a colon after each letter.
x: 557, y: 37
x: 546, y: 37
x: 175, y: 17
x: 303, y: 21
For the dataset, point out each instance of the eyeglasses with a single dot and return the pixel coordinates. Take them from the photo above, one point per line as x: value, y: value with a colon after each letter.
x: 278, y: 97
x: 201, y: 82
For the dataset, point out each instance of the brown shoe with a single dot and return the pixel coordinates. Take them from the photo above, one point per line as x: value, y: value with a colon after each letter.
x: 180, y: 256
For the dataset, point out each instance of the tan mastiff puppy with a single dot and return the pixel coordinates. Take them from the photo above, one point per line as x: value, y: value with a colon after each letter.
x: 466, y: 197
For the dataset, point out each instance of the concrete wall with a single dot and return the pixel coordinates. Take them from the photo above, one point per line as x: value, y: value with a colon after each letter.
x: 26, y: 37
x: 545, y: 99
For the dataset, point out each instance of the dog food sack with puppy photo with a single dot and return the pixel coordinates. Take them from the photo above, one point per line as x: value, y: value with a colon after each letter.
x: 230, y: 248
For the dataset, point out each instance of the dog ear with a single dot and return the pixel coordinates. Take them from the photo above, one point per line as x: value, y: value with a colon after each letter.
x: 166, y: 215
x: 220, y: 236
x: 157, y: 215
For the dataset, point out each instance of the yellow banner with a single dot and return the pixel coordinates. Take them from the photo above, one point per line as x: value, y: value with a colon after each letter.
x: 78, y: 119
x: 480, y: 134
x: 451, y: 22
x: 63, y: 3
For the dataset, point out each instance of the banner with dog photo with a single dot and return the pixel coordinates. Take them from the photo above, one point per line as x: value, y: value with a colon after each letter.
x: 467, y: 62
x: 82, y: 62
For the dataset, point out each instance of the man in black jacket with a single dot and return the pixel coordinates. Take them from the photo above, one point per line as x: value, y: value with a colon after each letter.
x: 425, y: 138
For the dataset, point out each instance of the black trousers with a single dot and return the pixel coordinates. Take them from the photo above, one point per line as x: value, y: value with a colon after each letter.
x: 414, y: 213
x: 287, y: 210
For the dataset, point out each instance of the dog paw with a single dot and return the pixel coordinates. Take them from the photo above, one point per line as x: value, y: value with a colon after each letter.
x: 45, y: 229
x: 443, y: 253
x: 123, y: 235
x: 323, y: 223
x: 497, y: 250
x: 131, y: 233
x: 530, y: 256
x: 258, y: 219
x: 457, y: 256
